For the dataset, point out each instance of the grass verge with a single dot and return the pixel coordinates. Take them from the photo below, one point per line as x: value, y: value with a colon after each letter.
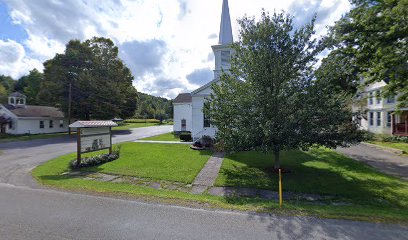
x: 375, y: 196
x: 397, y: 145
x: 4, y: 138
x: 164, y: 137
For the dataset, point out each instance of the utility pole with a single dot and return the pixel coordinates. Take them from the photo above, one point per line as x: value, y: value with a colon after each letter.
x: 69, y: 106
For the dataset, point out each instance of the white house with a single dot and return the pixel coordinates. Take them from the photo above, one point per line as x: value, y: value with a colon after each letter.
x: 182, y: 107
x: 199, y: 125
x: 381, y: 116
x: 18, y: 118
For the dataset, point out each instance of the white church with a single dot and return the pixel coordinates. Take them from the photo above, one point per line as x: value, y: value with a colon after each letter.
x: 188, y: 107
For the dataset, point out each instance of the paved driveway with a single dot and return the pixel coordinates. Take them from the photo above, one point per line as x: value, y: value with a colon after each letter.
x: 382, y: 160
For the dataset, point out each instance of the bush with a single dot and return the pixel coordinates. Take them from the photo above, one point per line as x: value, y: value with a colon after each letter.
x: 390, y: 138
x: 368, y: 136
x: 186, y: 136
x: 95, y: 160
x: 207, y: 141
x: 142, y: 121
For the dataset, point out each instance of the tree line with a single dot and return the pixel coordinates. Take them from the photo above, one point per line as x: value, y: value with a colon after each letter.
x: 93, y: 78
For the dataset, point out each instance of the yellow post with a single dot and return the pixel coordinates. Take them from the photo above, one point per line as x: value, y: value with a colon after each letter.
x: 280, y: 188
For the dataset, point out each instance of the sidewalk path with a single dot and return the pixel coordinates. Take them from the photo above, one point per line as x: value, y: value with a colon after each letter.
x: 382, y: 160
x: 207, y: 176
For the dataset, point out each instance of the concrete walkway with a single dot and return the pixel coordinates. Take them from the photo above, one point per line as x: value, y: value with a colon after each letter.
x: 382, y: 160
x: 207, y: 176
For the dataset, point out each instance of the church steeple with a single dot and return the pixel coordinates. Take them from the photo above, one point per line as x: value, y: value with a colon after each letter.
x: 223, y: 51
x: 225, y: 26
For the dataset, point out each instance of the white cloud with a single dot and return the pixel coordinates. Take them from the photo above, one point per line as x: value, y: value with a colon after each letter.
x: 13, y: 59
x: 157, y: 39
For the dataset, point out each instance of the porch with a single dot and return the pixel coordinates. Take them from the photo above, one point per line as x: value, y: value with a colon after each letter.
x: 399, y: 124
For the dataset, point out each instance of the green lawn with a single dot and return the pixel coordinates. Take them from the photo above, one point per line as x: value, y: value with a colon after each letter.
x: 12, y: 138
x: 374, y: 196
x: 397, y: 145
x: 156, y: 161
x: 164, y: 137
x: 318, y: 171
x: 127, y: 126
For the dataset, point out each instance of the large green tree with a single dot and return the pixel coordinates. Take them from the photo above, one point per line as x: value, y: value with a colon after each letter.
x: 371, y: 41
x: 99, y: 82
x: 30, y: 86
x: 271, y: 100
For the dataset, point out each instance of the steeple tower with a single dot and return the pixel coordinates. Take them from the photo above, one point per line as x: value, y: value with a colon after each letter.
x: 225, y: 26
x: 223, y: 51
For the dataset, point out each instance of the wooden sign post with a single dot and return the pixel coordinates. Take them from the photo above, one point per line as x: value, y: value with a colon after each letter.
x: 93, y: 136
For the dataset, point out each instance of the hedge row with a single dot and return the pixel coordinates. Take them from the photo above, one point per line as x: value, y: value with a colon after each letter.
x: 142, y: 121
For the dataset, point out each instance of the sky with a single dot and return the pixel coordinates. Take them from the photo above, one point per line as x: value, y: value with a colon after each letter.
x: 165, y: 43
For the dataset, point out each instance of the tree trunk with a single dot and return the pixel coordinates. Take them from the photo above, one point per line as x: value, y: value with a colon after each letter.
x: 277, y: 159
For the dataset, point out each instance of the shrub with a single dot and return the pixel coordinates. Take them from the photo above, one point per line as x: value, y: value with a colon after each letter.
x: 368, y: 136
x: 186, y: 136
x: 207, y: 141
x: 95, y: 160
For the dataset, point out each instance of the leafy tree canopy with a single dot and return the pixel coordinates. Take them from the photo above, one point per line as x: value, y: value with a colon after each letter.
x: 271, y: 100
x: 101, y: 85
x: 371, y: 41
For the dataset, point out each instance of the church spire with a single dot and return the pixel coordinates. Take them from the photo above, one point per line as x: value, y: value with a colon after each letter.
x: 225, y: 27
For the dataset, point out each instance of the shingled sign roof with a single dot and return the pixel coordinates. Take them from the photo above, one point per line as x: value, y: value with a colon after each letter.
x: 92, y: 124
x: 183, y: 98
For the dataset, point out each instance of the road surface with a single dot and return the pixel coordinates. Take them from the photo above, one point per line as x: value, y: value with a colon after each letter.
x: 382, y: 160
x: 31, y: 212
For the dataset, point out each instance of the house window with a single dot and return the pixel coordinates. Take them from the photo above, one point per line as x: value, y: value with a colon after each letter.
x: 370, y: 98
x: 389, y: 119
x: 10, y: 125
x: 391, y: 99
x: 41, y: 124
x: 183, y: 124
x: 51, y: 123
x: 378, y: 118
x: 371, y: 119
x: 378, y: 96
x: 61, y: 123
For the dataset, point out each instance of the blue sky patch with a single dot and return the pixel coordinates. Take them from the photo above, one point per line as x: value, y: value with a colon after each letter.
x: 8, y: 30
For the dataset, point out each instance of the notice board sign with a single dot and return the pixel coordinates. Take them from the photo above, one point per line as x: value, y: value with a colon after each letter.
x: 93, y: 136
x: 95, y: 139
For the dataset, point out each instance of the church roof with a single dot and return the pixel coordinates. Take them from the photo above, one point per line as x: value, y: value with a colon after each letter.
x: 183, y: 98
x: 225, y: 37
x: 34, y: 111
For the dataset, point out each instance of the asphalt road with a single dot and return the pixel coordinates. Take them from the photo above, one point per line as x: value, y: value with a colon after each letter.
x: 27, y: 212
x: 46, y: 214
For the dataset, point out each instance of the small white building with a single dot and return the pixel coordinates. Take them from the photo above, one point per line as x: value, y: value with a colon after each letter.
x: 182, y: 107
x: 18, y: 118
x: 381, y: 117
x: 186, y: 110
